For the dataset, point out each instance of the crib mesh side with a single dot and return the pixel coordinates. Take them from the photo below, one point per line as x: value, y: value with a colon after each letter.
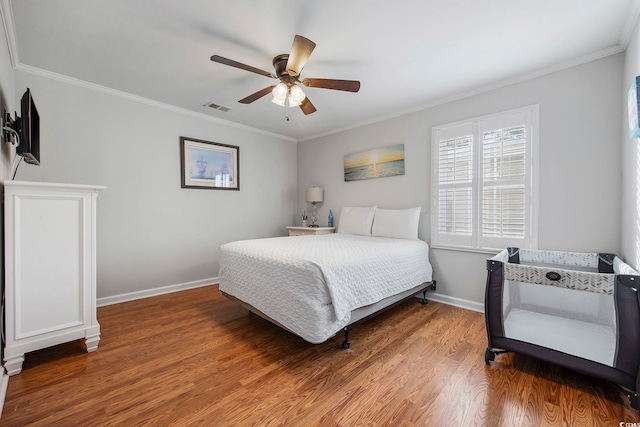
x: 576, y: 322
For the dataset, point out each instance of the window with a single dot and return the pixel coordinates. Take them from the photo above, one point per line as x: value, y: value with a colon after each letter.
x: 484, y: 182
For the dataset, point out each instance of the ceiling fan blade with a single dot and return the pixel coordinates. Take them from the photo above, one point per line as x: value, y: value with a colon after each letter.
x: 300, y: 52
x: 232, y: 63
x: 346, y: 85
x: 255, y: 96
x: 307, y: 107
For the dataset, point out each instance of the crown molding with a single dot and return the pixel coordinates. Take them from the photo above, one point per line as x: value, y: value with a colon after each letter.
x: 493, y: 86
x: 6, y: 13
x: 140, y: 99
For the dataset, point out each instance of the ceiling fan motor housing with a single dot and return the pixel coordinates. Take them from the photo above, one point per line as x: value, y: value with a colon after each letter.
x: 280, y: 65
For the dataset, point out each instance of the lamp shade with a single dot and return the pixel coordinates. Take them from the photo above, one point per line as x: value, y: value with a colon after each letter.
x: 314, y: 194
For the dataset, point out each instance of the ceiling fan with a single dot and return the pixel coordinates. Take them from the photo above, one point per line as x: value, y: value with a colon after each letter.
x: 287, y: 69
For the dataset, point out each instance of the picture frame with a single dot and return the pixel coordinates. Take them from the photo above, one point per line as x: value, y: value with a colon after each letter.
x: 209, y: 165
x: 375, y: 163
x: 633, y: 103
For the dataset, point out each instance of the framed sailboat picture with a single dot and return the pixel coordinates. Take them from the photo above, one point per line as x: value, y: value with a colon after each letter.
x: 209, y: 165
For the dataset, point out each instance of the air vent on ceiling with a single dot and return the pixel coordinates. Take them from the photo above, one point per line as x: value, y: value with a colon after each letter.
x: 217, y: 107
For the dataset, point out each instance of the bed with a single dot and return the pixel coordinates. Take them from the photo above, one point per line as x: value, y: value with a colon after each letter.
x: 317, y: 286
x: 577, y: 310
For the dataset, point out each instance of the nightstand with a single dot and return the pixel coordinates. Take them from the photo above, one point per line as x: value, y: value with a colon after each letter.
x: 310, y: 231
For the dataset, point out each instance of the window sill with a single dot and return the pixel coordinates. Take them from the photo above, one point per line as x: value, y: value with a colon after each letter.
x: 463, y: 249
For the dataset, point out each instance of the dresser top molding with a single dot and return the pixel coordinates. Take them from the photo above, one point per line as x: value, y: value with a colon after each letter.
x: 51, y: 186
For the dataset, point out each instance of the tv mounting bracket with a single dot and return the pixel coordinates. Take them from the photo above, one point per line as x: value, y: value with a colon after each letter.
x: 8, y: 129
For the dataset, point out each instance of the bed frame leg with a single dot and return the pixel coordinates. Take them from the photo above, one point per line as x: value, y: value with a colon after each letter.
x: 424, y: 293
x: 346, y: 343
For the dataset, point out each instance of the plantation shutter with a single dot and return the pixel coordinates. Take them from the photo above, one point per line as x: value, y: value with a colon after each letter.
x: 505, y: 201
x: 482, y: 182
x: 455, y: 170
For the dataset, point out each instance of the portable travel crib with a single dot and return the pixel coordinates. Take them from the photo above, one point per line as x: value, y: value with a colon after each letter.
x: 578, y: 310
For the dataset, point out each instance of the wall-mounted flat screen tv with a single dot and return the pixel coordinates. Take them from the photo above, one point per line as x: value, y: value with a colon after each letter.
x: 29, y: 130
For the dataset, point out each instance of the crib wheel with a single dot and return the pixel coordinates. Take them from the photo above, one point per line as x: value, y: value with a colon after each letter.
x: 634, y: 401
x: 346, y: 344
x: 489, y: 356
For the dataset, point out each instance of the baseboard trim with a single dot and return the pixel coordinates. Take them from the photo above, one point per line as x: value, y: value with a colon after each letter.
x: 456, y: 302
x: 132, y: 296
x: 4, y: 383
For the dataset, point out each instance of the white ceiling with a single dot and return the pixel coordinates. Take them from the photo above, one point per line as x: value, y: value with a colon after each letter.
x: 408, y: 54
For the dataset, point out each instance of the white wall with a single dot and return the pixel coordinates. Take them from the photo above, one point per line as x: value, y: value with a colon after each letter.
x: 7, y: 102
x: 151, y: 232
x: 630, y: 217
x: 580, y: 110
x: 7, y: 98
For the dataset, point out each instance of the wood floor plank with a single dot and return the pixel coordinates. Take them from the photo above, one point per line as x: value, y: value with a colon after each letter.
x: 195, y: 358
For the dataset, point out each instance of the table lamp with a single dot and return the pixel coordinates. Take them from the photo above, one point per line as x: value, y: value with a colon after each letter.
x: 314, y: 195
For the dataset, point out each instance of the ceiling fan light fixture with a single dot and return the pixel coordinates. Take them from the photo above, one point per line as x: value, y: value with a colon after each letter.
x: 294, y: 93
x: 293, y: 103
x: 280, y: 92
x: 297, y: 95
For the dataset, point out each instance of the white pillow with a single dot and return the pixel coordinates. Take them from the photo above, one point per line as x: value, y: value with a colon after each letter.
x: 396, y: 223
x: 356, y: 220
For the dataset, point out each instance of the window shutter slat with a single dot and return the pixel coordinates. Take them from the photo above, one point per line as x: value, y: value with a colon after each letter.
x: 455, y: 159
x: 455, y: 165
x: 503, y: 159
x: 455, y: 211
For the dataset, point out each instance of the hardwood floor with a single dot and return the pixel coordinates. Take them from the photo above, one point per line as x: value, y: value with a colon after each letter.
x: 195, y: 358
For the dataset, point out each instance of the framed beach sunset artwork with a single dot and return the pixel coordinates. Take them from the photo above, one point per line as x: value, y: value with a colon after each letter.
x: 209, y: 165
x: 376, y: 163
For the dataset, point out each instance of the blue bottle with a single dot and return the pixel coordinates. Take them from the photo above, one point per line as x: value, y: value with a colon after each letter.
x: 330, y: 218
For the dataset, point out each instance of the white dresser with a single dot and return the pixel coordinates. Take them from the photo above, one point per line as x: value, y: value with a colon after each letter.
x: 50, y: 267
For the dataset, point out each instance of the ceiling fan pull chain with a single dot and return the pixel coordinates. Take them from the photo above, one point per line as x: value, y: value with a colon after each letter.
x: 286, y: 107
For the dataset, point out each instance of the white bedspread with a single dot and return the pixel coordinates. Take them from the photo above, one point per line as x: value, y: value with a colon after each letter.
x: 310, y: 284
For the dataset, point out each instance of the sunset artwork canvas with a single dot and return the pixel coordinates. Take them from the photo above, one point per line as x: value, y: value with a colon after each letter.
x: 376, y: 163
